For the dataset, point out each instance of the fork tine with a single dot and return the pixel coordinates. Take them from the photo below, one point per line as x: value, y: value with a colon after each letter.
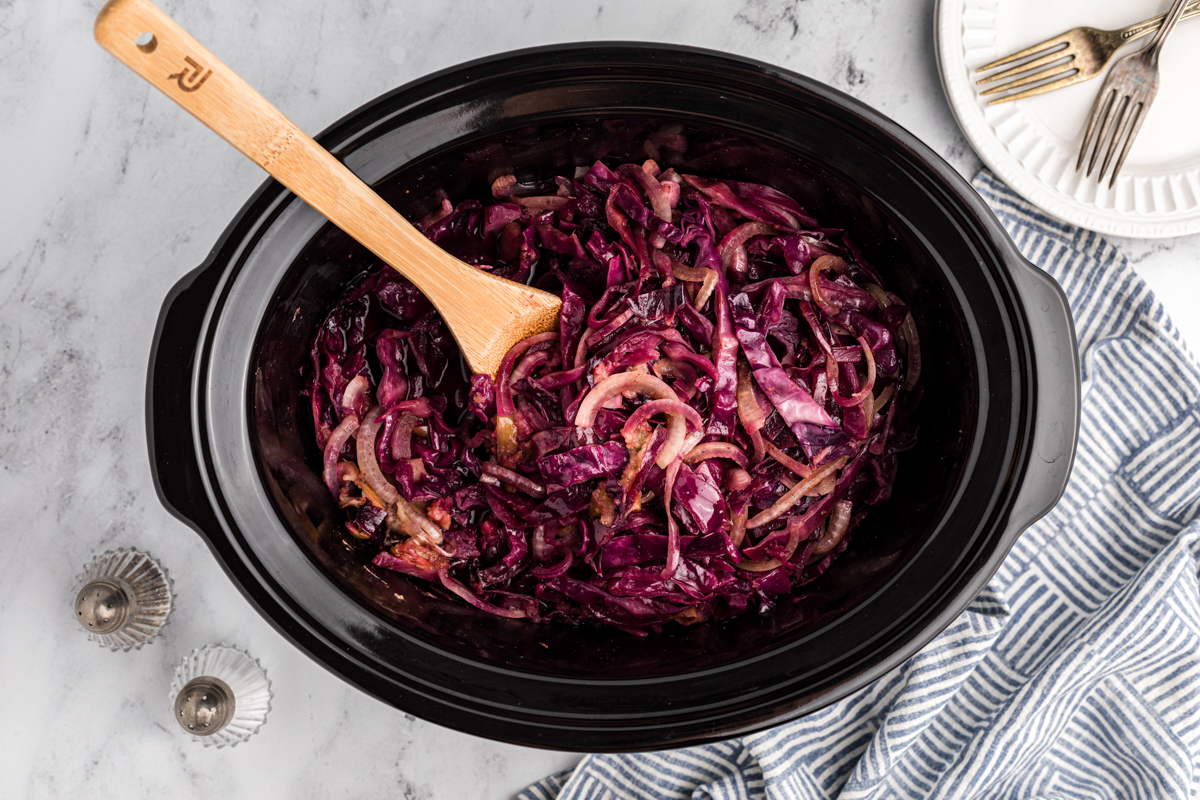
x: 1131, y: 131
x: 1064, y: 52
x: 1099, y: 113
x: 1119, y: 106
x: 1046, y: 87
x: 1119, y: 128
x: 1028, y: 51
x: 1045, y: 74
x: 1138, y: 119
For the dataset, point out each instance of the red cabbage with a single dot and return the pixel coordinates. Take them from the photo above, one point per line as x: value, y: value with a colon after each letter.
x: 545, y: 520
x: 583, y: 463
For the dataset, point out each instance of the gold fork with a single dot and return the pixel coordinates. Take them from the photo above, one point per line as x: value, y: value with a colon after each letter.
x: 1072, y: 57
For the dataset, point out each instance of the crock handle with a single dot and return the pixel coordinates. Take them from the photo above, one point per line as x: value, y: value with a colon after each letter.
x: 173, y: 464
x: 1056, y: 425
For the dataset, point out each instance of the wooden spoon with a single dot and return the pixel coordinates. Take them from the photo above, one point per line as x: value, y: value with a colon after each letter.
x: 486, y: 314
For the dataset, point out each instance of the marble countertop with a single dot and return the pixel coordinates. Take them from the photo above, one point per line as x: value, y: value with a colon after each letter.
x: 110, y: 193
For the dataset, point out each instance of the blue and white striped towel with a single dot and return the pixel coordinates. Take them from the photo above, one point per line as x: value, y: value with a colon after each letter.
x: 1076, y: 672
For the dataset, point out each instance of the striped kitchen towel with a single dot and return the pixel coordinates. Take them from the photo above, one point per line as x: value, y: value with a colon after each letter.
x: 1076, y: 673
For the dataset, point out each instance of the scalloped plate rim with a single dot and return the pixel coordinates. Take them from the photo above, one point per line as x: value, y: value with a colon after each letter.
x: 948, y: 49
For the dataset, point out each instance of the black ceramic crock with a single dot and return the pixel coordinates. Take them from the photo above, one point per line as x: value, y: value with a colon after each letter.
x: 231, y: 437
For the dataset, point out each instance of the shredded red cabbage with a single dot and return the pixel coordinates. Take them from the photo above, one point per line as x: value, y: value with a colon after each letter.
x: 714, y: 417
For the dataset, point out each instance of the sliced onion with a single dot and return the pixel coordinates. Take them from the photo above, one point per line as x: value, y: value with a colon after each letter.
x: 880, y: 443
x: 885, y: 395
x: 475, y: 600
x: 791, y: 496
x: 676, y: 441
x: 411, y: 519
x: 691, y: 274
x: 717, y: 450
x: 706, y: 290
x: 518, y: 480
x: 402, y: 436
x: 355, y: 395
x: 908, y: 328
x: 877, y: 294
x: 368, y: 465
x: 760, y: 566
x: 502, y: 186
x: 738, y: 531
x: 739, y: 262
x: 789, y: 462
x: 435, y: 217
x: 528, y: 364
x: 649, y: 409
x: 662, y: 264
x: 736, y: 239
x: 679, y: 413
x: 504, y: 398
x: 618, y: 220
x: 549, y: 202
x: 737, y: 479
x: 750, y: 413
x: 672, y: 191
x: 691, y: 440
x: 659, y: 202
x: 794, y: 527
x: 641, y: 382
x: 758, y: 442
x: 413, y: 522
x: 868, y: 385
x: 541, y: 549
x: 581, y: 350
x: 333, y: 448
x: 672, y: 526
x: 814, y: 282
x: 839, y: 521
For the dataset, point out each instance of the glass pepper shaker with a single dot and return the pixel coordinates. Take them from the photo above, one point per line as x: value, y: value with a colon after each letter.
x: 220, y: 696
x: 122, y: 599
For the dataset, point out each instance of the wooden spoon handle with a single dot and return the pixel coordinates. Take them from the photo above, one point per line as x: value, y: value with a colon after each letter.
x: 150, y: 43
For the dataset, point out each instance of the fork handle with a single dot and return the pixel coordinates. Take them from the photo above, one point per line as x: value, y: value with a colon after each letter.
x: 1150, y: 26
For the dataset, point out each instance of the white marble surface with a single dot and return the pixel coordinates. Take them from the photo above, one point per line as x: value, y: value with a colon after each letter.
x: 109, y: 193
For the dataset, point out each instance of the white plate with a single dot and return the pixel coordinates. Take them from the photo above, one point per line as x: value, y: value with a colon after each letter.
x: 1032, y: 144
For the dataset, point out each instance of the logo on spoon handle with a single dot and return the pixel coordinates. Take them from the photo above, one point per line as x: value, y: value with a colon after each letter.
x: 192, y: 81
